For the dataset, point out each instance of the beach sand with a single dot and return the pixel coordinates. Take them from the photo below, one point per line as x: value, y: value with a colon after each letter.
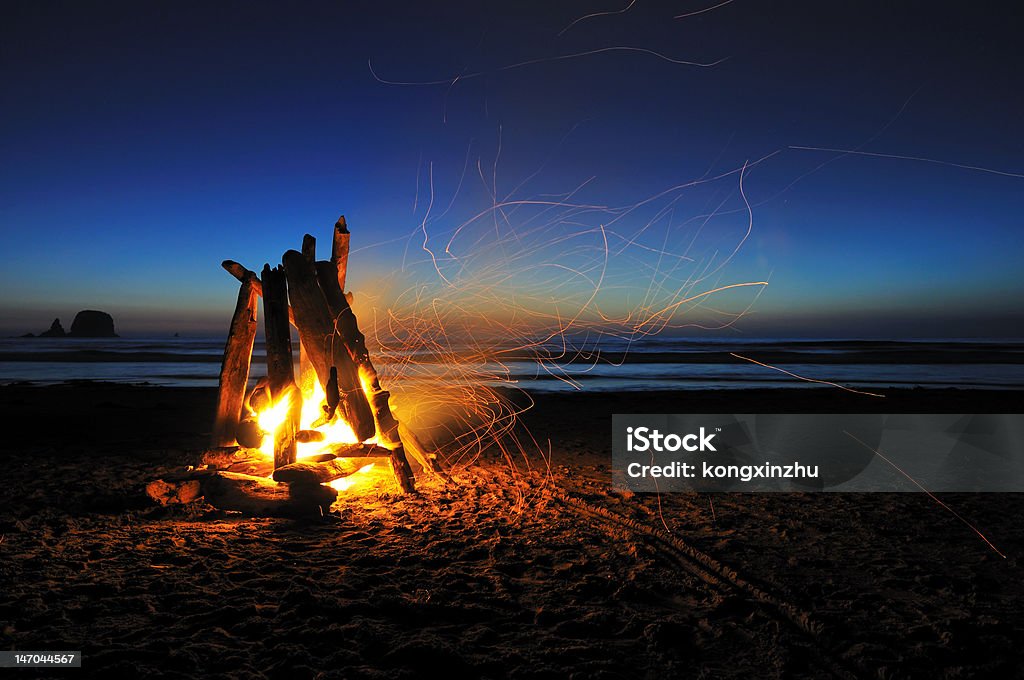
x: 533, y: 572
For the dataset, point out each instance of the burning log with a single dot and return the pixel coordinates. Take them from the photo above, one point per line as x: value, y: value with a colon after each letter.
x: 357, y: 451
x: 333, y: 394
x: 304, y: 366
x: 260, y: 496
x: 259, y: 398
x: 316, y: 330
x: 231, y: 459
x: 308, y: 436
x: 426, y: 460
x: 387, y: 426
x: 222, y: 456
x: 342, y: 318
x: 234, y: 370
x: 305, y: 472
x: 319, y: 457
x: 403, y: 472
x: 347, y: 330
x: 249, y: 433
x: 280, y: 372
x: 257, y: 467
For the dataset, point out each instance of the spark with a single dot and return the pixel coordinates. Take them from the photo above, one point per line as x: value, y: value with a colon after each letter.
x: 600, y: 14
x: 930, y: 494
x: 542, y: 60
x: 701, y: 11
x: 920, y: 159
x: 800, y: 377
x: 416, y: 197
x: 691, y: 298
x: 500, y: 282
x: 881, y: 131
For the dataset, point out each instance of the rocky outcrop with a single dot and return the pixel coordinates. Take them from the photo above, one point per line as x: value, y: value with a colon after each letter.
x: 92, y: 324
x: 56, y: 330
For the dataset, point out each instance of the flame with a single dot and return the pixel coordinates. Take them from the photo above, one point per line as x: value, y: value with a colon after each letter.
x: 336, y: 432
x: 269, y: 419
x: 345, y: 483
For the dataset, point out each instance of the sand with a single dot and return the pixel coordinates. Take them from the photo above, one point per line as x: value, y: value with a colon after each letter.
x: 534, y: 572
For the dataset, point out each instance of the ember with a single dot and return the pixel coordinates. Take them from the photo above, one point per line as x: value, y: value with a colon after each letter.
x: 287, y: 447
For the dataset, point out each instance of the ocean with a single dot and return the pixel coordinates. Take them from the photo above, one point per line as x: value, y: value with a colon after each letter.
x: 660, y: 363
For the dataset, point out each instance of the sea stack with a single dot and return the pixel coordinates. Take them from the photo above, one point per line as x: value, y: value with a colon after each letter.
x: 90, y: 323
x: 56, y: 330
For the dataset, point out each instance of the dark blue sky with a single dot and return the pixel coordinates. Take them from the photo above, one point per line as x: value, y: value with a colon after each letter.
x: 143, y: 143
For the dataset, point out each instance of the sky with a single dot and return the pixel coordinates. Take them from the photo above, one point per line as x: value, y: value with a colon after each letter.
x: 143, y: 143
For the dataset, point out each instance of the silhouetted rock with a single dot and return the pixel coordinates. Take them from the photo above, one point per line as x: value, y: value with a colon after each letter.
x: 92, y: 324
x: 56, y: 330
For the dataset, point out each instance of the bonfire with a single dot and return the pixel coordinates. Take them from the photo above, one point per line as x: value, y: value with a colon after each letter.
x: 291, y: 443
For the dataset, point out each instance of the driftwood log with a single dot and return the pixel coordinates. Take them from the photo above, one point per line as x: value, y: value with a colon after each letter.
x: 174, y: 492
x: 309, y: 247
x: 403, y: 471
x: 241, y: 273
x: 234, y: 370
x: 232, y: 459
x: 249, y: 433
x: 263, y: 497
x: 309, y: 436
x: 222, y: 456
x: 319, y: 457
x: 331, y: 276
x: 339, y: 251
x: 236, y: 459
x: 308, y: 472
x: 323, y: 346
x: 252, y: 495
x: 304, y: 366
x: 280, y: 371
x: 358, y: 451
x: 426, y: 459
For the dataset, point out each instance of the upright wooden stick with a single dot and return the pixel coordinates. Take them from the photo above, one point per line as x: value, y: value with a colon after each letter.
x: 339, y: 250
x: 240, y: 273
x: 234, y: 371
x: 280, y: 373
x: 308, y: 252
x: 309, y: 247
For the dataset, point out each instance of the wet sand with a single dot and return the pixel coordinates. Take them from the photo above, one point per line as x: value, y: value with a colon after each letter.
x: 537, y: 571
